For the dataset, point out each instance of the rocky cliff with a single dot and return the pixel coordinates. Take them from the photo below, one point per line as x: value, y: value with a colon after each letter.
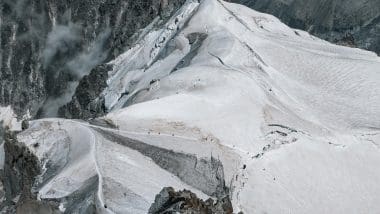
x: 48, y: 46
x: 171, y: 201
x: 230, y: 105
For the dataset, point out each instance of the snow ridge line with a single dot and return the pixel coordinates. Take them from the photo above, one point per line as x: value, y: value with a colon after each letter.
x: 98, y: 171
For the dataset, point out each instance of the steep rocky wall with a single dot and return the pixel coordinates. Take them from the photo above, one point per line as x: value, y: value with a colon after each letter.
x: 23, y: 173
x: 171, y: 201
x: 347, y: 22
x: 20, y: 169
x: 88, y: 100
x: 48, y: 46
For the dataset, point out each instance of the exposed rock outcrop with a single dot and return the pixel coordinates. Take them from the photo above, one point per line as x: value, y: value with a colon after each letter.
x: 171, y: 201
x: 87, y: 102
x: 38, y: 160
x: 20, y: 171
x: 48, y: 46
x: 24, y: 173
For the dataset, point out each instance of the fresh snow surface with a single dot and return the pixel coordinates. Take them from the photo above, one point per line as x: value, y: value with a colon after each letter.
x: 9, y: 119
x: 294, y: 120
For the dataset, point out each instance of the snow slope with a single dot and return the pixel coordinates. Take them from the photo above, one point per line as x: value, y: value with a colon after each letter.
x: 294, y: 120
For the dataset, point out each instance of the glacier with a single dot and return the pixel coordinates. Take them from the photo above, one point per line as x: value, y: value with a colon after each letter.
x: 223, y: 101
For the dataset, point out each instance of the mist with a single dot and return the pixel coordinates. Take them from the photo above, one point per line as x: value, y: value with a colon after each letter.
x: 87, y: 60
x: 64, y: 48
x: 52, y: 104
x: 61, y: 39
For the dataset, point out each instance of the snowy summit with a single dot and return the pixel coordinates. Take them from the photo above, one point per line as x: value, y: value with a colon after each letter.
x: 225, y: 102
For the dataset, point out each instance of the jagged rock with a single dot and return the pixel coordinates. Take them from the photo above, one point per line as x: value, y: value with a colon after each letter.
x: 85, y: 106
x: 24, y: 174
x: 346, y: 22
x: 170, y: 201
x: 39, y: 177
x: 254, y: 85
x: 86, y: 102
x: 24, y: 124
x: 47, y: 46
x: 20, y: 170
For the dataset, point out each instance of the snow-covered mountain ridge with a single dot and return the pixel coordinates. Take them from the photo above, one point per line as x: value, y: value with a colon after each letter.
x: 223, y: 101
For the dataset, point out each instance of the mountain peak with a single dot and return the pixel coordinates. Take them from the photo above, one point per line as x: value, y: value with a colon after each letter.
x: 223, y: 101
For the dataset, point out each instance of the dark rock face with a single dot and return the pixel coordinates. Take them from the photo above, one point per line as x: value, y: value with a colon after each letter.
x: 20, y: 49
x: 22, y: 176
x: 20, y: 170
x: 48, y: 46
x: 87, y: 102
x: 169, y: 201
x: 346, y: 22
